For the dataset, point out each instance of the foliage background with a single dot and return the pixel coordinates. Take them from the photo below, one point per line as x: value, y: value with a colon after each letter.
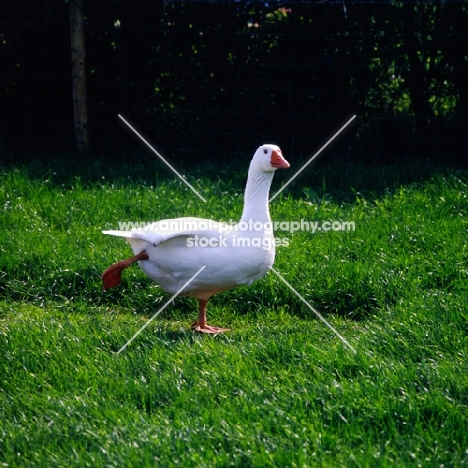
x: 222, y: 77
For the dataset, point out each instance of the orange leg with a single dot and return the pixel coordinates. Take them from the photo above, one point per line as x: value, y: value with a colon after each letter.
x: 112, y: 276
x: 201, y: 326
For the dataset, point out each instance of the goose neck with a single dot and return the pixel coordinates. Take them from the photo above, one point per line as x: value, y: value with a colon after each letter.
x: 256, y: 197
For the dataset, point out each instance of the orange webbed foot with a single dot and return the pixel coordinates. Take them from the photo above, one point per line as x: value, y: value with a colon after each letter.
x: 113, y: 275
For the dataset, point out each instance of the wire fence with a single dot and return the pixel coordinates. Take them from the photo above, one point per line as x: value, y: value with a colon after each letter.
x: 220, y: 78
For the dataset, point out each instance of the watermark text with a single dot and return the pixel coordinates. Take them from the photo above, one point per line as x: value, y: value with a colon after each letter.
x: 223, y: 227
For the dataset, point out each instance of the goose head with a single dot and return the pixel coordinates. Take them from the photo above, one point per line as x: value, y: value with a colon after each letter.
x: 268, y: 158
x: 264, y: 163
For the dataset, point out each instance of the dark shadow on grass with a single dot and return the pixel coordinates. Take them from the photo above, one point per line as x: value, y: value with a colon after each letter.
x: 341, y: 180
x: 135, y: 169
x: 345, y: 181
x: 346, y: 302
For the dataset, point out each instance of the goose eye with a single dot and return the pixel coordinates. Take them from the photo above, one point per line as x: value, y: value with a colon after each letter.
x: 265, y: 151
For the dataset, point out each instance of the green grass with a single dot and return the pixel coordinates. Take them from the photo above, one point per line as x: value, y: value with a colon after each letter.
x: 280, y: 389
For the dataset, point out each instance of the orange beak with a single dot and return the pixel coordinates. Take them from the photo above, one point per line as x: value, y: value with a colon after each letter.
x: 278, y: 161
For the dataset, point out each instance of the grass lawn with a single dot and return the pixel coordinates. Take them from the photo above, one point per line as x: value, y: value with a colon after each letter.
x: 280, y: 389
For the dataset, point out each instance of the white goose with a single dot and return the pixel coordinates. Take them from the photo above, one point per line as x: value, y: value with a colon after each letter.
x: 170, y: 252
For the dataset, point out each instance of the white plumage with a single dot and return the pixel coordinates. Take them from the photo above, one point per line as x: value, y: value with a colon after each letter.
x: 171, y: 251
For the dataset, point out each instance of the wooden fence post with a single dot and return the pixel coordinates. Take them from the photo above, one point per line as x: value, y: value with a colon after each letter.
x: 78, y: 53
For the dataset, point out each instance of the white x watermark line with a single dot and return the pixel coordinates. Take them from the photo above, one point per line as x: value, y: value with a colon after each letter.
x: 275, y: 271
x: 312, y: 158
x: 181, y: 177
x: 320, y: 316
x: 161, y: 309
